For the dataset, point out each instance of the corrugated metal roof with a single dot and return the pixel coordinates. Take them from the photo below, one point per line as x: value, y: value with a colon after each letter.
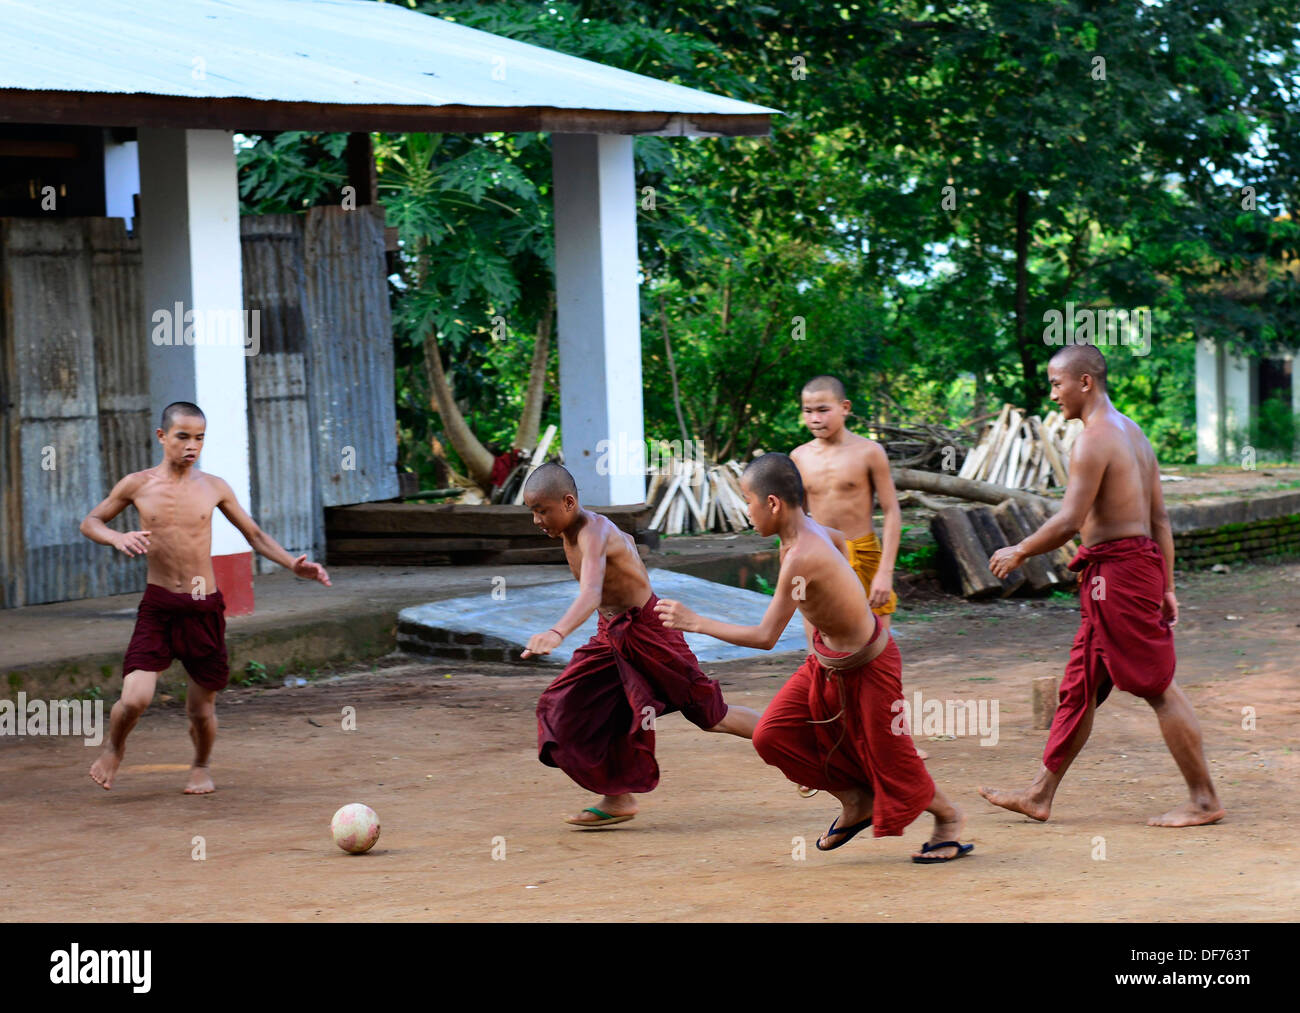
x: 344, y: 52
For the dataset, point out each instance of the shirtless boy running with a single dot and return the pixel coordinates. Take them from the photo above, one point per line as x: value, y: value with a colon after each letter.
x: 182, y: 612
x: 1126, y: 593
x: 841, y: 473
x: 596, y: 721
x: 835, y: 725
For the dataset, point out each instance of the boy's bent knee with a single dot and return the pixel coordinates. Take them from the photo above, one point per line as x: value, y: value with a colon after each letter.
x: 133, y: 705
x: 765, y: 741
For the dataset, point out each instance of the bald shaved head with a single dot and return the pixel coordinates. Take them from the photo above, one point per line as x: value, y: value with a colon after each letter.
x: 1080, y: 359
x: 551, y: 481
x: 826, y: 383
x: 177, y: 410
x: 775, y: 474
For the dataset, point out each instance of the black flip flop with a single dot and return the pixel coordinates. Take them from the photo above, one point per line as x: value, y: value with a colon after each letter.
x: 962, y: 849
x: 848, y: 833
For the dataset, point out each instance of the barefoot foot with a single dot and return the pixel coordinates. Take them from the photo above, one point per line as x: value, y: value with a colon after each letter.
x: 1190, y: 814
x: 103, y: 770
x: 1019, y: 802
x: 200, y: 782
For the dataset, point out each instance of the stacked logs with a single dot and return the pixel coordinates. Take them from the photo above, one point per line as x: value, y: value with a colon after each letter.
x: 968, y: 537
x: 1022, y: 451
x: 690, y: 496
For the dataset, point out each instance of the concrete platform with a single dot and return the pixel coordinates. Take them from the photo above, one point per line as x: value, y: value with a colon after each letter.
x: 483, y: 628
x: 301, y: 628
x: 76, y: 647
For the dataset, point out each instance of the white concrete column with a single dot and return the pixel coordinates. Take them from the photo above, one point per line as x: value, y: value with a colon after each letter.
x: 121, y: 178
x: 1295, y: 397
x: 194, y: 302
x: 599, y: 316
x: 1238, y: 404
x: 1209, y: 402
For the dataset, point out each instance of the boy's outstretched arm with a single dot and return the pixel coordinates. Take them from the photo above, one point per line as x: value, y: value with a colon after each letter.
x: 262, y: 543
x: 591, y: 582
x: 764, y: 636
x: 95, y: 526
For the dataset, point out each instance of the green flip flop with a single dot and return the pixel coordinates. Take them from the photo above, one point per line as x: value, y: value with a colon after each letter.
x: 605, y: 820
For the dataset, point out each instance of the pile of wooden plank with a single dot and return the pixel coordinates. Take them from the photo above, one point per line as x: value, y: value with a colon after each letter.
x: 420, y: 534
x: 1022, y: 451
x: 691, y: 496
x: 968, y: 537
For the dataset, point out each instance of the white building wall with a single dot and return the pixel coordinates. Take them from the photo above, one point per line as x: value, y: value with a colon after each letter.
x: 189, y: 229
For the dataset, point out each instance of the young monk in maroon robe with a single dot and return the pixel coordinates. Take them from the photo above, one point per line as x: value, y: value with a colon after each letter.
x: 833, y: 725
x: 1126, y: 593
x: 596, y: 722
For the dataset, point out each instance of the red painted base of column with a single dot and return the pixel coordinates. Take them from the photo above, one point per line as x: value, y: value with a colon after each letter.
x: 234, y: 575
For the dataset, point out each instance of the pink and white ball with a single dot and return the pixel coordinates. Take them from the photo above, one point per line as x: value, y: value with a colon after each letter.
x: 355, y: 828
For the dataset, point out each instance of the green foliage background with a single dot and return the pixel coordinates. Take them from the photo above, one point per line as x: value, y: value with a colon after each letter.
x: 830, y: 247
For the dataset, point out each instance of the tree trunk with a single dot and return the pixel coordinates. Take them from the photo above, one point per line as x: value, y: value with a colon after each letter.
x: 478, y: 460
x: 672, y: 372
x: 726, y: 296
x: 530, y: 423
x: 1028, y: 364
x: 963, y: 488
x: 741, y: 399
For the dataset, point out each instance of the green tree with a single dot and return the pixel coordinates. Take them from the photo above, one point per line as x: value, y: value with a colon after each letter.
x: 1096, y: 153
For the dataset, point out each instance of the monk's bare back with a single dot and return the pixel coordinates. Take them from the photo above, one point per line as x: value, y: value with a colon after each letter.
x: 829, y: 594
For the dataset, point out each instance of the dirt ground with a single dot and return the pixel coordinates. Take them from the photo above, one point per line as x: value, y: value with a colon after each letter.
x: 472, y: 822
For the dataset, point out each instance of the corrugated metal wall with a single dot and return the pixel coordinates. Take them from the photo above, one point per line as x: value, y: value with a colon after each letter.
x: 126, y: 419
x: 350, y: 368
x: 74, y: 345
x: 11, y: 485
x: 287, y: 501
x: 48, y: 329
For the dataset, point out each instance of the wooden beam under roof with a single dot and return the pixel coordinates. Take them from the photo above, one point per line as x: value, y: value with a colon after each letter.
x: 252, y: 115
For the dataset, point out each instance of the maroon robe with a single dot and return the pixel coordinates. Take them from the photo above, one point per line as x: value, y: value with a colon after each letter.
x: 596, y: 721
x: 1123, y: 639
x: 874, y: 752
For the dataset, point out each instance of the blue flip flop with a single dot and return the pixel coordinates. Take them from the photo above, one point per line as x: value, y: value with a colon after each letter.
x: 962, y: 849
x: 848, y: 833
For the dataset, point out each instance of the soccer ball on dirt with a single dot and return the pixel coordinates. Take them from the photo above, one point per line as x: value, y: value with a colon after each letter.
x: 355, y: 828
